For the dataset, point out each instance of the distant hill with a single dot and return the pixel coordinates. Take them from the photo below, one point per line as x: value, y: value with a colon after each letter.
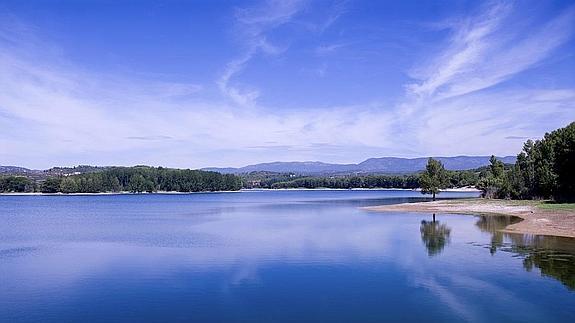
x: 54, y: 171
x: 15, y: 170
x: 289, y: 167
x: 400, y: 165
x: 383, y: 165
x: 387, y: 165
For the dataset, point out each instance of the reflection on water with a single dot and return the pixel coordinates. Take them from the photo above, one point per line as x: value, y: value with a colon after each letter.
x: 278, y: 256
x: 493, y: 225
x: 434, y: 235
x: 559, y: 265
x: 554, y: 256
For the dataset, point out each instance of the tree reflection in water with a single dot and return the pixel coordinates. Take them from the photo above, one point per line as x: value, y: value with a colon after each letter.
x: 554, y: 256
x: 434, y: 235
x: 493, y: 225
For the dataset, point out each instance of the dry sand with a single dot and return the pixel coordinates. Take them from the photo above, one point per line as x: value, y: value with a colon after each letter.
x: 536, y: 220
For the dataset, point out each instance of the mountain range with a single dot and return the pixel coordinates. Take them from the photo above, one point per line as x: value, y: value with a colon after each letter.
x: 383, y: 165
x: 387, y: 165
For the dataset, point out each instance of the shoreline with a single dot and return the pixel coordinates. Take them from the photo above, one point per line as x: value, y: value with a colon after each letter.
x: 535, y: 219
x: 453, y: 190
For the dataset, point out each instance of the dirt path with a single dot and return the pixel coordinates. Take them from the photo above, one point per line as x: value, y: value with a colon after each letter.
x: 536, y: 220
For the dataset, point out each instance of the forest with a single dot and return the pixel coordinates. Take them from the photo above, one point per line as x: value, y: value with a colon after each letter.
x: 545, y: 169
x: 407, y: 181
x: 133, y: 179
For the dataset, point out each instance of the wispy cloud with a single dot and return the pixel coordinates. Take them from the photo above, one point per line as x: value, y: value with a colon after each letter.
x: 485, y: 51
x: 456, y: 106
x: 516, y: 138
x: 479, y: 123
x: 58, y: 113
x: 332, y: 14
x: 252, y: 26
x: 158, y: 137
x: 326, y: 49
x: 54, y: 112
x: 271, y: 147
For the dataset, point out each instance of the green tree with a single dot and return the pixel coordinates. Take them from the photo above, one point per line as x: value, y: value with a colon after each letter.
x: 69, y: 185
x: 563, y: 141
x: 51, y: 185
x: 137, y: 184
x: 496, y: 167
x: 494, y: 183
x: 115, y: 184
x: 433, y: 178
x: 19, y: 184
x: 545, y: 168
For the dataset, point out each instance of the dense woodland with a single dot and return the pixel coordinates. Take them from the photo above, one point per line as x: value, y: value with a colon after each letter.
x: 148, y: 179
x: 346, y: 182
x: 116, y: 179
x: 545, y: 169
x: 133, y: 179
x: 456, y: 179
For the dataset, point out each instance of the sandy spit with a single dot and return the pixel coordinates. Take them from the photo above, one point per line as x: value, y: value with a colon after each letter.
x: 537, y: 221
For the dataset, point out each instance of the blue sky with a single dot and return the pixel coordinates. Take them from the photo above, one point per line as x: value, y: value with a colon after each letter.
x: 229, y: 83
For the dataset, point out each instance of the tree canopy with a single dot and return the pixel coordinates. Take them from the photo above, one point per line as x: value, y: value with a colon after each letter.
x: 433, y: 178
x: 134, y: 179
x: 545, y: 169
x: 16, y: 184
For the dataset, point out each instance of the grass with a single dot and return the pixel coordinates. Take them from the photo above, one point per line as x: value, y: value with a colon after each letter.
x: 494, y: 201
x: 544, y: 205
x: 550, y: 205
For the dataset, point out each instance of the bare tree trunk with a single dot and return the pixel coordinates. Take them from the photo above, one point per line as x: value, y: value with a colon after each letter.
x: 433, y: 196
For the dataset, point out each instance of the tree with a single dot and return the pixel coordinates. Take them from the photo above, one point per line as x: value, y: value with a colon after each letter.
x: 544, y: 169
x: 433, y: 178
x: 68, y: 185
x: 51, y: 185
x: 115, y: 184
x: 496, y: 167
x: 563, y: 141
x: 137, y: 184
x: 494, y: 183
x: 16, y: 184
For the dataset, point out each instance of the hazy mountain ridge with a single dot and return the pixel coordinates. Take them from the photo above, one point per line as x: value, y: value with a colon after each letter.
x: 388, y: 165
x: 371, y: 165
x: 16, y: 170
x: 54, y: 171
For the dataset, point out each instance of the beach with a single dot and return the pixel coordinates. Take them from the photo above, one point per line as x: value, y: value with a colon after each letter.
x: 538, y: 218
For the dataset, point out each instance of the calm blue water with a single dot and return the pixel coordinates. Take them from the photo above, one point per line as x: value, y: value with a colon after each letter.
x: 271, y: 256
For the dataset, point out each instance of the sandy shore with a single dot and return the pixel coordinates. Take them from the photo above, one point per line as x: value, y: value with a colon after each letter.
x: 537, y: 219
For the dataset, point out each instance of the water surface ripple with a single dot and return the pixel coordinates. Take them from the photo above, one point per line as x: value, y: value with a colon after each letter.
x: 272, y: 256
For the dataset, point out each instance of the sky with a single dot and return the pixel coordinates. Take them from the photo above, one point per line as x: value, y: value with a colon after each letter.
x: 193, y: 84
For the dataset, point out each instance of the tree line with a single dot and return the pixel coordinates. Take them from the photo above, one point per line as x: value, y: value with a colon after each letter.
x: 18, y: 184
x: 134, y: 179
x: 116, y: 179
x: 346, y: 182
x: 410, y: 181
x: 545, y: 169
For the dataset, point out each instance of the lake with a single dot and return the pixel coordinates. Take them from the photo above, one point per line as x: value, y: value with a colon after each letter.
x: 272, y: 256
